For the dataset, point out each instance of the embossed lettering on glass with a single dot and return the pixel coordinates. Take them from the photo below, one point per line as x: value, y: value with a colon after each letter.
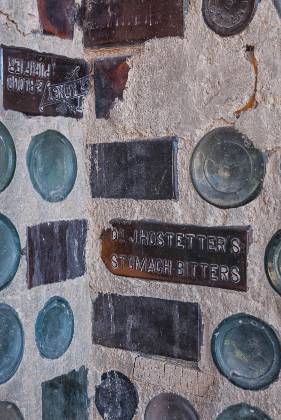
x: 247, y: 351
x: 54, y: 328
x: 10, y: 251
x: 116, y: 397
x: 37, y: 83
x: 228, y: 17
x: 52, y: 165
x: 272, y: 261
x: 242, y: 412
x: 226, y: 169
x: 169, y: 406
x: 9, y: 411
x: 7, y: 158
x: 11, y: 342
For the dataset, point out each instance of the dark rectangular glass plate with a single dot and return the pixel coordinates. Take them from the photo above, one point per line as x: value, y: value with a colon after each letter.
x: 204, y: 256
x: 117, y: 23
x: 110, y: 76
x: 66, y: 397
x: 37, y: 83
x: 140, y: 170
x: 150, y: 326
x: 56, y: 251
x: 57, y: 17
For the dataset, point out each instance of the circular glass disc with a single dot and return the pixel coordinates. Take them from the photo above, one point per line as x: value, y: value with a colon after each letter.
x: 228, y: 17
x: 9, y: 411
x: 247, y: 351
x: 11, y: 342
x: 272, y: 261
x: 116, y: 397
x: 10, y: 251
x: 226, y: 169
x: 242, y: 412
x: 168, y: 406
x: 54, y: 328
x: 7, y: 158
x: 52, y: 165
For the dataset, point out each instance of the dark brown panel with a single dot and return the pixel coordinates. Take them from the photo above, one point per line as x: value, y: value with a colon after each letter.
x: 110, y: 75
x: 140, y: 170
x: 43, y: 84
x: 56, y: 251
x: 147, y: 325
x: 111, y: 22
x: 204, y: 256
x: 57, y: 17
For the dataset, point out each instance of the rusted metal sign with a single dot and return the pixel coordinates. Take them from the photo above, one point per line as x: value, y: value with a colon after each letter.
x: 57, y: 17
x: 56, y: 251
x: 204, y: 256
x: 151, y: 326
x: 111, y: 22
x: 43, y: 84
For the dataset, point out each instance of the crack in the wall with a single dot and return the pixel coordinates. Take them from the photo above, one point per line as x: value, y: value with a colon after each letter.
x: 252, y: 102
x: 270, y: 152
x: 13, y: 22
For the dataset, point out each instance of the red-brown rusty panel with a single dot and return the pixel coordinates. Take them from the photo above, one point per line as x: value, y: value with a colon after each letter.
x: 37, y: 83
x: 57, y: 17
x: 110, y: 75
x: 200, y: 255
x: 124, y: 22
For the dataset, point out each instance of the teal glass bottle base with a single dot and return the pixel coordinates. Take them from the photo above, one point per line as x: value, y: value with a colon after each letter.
x: 7, y: 158
x: 10, y: 251
x: 242, y: 412
x: 52, y: 165
x: 247, y: 352
x: 272, y: 262
x: 54, y: 328
x: 11, y: 342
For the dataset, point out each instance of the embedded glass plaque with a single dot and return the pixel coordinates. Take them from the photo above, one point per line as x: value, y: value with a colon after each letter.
x: 66, y: 397
x: 10, y: 251
x: 11, y: 342
x: 242, y: 412
x: 272, y: 262
x: 56, y: 251
x: 54, y: 328
x: 140, y: 170
x: 116, y: 23
x: 110, y: 76
x: 228, y: 18
x: 116, y: 397
x: 9, y: 411
x: 247, y: 352
x: 169, y: 406
x: 52, y: 165
x: 165, y: 335
x: 226, y: 169
x: 201, y: 255
x: 7, y: 158
x: 57, y: 17
x: 37, y: 83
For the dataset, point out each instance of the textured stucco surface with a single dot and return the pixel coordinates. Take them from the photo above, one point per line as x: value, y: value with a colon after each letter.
x: 182, y: 87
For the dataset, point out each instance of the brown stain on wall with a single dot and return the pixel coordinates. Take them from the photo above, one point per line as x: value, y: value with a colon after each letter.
x: 252, y: 102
